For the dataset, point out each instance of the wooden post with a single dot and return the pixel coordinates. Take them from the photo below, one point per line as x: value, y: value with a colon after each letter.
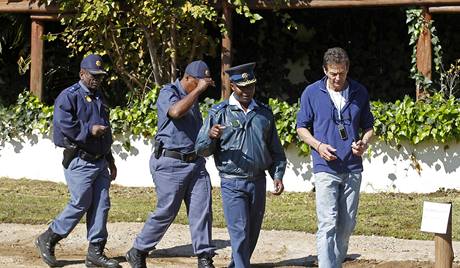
x: 444, y: 253
x: 36, y: 66
x: 424, y: 52
x: 226, y: 54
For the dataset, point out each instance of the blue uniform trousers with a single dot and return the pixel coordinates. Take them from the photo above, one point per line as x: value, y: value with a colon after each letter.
x: 177, y: 181
x: 88, y: 185
x: 244, y: 207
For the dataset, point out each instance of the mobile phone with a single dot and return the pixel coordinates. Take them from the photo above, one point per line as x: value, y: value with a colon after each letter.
x: 342, y: 131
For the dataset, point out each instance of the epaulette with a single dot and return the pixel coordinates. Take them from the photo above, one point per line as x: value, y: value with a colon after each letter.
x: 171, y: 86
x: 73, y: 88
x: 218, y: 107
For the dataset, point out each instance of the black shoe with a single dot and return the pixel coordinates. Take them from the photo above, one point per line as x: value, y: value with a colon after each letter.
x: 96, y: 257
x: 136, y: 258
x: 205, y: 261
x: 45, y: 244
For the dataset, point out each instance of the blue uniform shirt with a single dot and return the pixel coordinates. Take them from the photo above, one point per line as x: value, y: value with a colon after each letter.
x: 319, y: 114
x: 76, y: 110
x: 177, y: 134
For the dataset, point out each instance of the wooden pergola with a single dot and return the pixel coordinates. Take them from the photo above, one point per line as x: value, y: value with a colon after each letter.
x: 39, y: 13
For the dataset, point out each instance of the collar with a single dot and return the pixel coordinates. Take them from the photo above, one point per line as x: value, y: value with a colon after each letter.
x: 351, y: 86
x: 82, y: 85
x: 233, y: 101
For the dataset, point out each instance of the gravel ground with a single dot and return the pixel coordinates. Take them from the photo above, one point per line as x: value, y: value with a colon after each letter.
x: 274, y: 249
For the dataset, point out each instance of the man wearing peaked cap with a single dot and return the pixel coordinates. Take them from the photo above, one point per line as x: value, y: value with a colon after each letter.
x: 81, y: 126
x: 242, y: 75
x: 93, y: 64
x: 178, y: 172
x: 241, y: 134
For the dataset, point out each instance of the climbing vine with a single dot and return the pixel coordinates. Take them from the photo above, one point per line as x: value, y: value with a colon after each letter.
x: 416, y: 24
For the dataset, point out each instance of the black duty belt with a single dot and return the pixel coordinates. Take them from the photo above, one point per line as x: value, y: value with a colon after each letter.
x: 89, y: 157
x: 190, y: 157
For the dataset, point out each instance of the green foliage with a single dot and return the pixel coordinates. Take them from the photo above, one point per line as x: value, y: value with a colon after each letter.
x: 285, y: 116
x: 145, y: 41
x: 434, y: 119
x: 148, y: 41
x: 138, y: 119
x: 27, y: 117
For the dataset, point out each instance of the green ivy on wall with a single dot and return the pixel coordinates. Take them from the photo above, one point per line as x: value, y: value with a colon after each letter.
x: 435, y: 119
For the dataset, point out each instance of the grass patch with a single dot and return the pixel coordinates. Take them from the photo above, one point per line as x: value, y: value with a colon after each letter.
x: 384, y: 214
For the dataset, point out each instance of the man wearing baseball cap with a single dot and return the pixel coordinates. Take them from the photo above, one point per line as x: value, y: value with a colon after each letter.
x: 178, y: 172
x: 81, y: 126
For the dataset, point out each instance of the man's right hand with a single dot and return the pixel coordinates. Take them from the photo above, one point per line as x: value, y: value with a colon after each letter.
x: 216, y: 131
x: 327, y: 152
x: 98, y: 130
x: 204, y: 83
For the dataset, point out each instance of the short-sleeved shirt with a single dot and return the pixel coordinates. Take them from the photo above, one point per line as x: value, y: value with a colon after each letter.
x: 319, y: 114
x: 177, y: 134
x: 76, y: 111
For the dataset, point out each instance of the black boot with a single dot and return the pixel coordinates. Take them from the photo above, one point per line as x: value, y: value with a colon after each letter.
x: 205, y: 261
x: 136, y: 258
x: 96, y: 257
x: 45, y: 244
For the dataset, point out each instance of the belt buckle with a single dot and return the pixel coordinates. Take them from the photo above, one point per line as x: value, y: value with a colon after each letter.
x: 189, y: 158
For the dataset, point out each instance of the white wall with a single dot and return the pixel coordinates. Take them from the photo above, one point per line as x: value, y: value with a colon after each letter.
x: 386, y: 169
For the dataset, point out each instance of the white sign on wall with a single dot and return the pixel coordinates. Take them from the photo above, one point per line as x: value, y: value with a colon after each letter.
x: 435, y: 217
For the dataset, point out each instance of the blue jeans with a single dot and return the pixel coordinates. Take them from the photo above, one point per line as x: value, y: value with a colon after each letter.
x: 244, y: 207
x: 88, y: 185
x: 337, y: 198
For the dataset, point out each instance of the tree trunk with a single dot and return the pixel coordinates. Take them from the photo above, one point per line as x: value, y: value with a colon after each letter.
x: 173, y: 47
x: 153, y: 57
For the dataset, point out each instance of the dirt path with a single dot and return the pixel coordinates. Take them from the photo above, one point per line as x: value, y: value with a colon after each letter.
x: 274, y: 249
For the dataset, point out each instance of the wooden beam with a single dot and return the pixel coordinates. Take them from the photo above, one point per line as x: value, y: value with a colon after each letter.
x: 36, y: 66
x: 424, y: 52
x: 300, y: 4
x: 8, y: 6
x: 45, y: 17
x: 226, y: 53
x: 444, y: 9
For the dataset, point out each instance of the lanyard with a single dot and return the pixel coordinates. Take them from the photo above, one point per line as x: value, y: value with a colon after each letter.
x: 338, y: 103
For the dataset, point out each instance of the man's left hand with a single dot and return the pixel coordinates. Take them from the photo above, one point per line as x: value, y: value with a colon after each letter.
x: 113, y: 171
x: 279, y: 187
x: 358, y: 148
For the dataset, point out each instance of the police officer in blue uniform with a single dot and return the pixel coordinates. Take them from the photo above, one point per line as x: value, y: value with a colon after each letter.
x: 178, y: 173
x: 241, y: 134
x: 81, y: 126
